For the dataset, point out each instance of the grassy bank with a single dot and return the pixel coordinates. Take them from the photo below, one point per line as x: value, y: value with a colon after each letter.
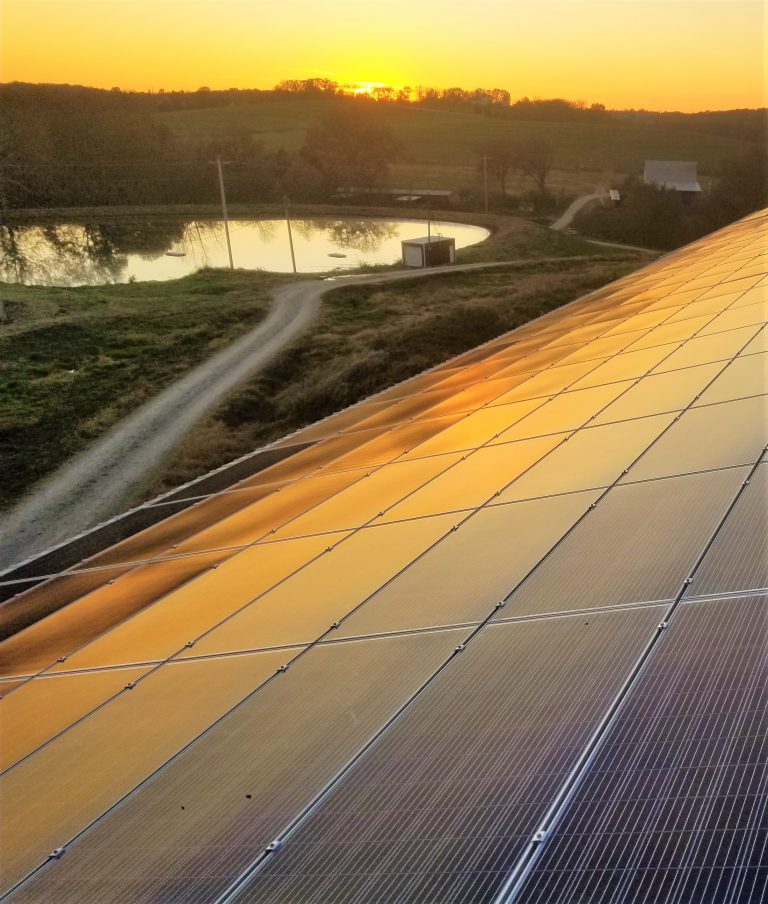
x: 371, y: 337
x: 75, y: 361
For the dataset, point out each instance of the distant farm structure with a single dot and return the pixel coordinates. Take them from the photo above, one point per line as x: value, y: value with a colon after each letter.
x: 679, y: 175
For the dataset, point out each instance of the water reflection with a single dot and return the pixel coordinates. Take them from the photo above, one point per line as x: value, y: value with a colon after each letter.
x: 116, y: 251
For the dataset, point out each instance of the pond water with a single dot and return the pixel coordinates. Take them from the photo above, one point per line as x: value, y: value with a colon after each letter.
x: 120, y: 251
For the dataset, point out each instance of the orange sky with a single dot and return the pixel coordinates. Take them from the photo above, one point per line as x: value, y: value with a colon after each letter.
x: 658, y: 54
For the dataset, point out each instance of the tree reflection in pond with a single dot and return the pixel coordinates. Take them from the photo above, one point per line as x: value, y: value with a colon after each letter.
x: 81, y: 254
x: 126, y: 249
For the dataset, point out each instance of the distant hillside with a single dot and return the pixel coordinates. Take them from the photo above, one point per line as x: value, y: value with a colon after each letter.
x: 66, y: 145
x: 438, y: 137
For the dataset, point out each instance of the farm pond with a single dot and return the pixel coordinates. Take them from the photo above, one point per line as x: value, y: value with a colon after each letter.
x: 99, y: 253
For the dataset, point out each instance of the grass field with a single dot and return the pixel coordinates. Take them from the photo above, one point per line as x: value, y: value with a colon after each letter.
x: 438, y: 145
x: 74, y: 361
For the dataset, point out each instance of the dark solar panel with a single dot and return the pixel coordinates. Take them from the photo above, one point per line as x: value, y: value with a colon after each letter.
x: 674, y: 807
x: 638, y: 544
x: 738, y: 559
x: 441, y: 807
x: 211, y: 810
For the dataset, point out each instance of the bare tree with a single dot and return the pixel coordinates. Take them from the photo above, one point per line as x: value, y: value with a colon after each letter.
x: 533, y: 158
x: 500, y: 157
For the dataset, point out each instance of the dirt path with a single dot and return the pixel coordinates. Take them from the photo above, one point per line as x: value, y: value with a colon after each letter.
x: 568, y: 216
x: 94, y: 485
x: 565, y: 220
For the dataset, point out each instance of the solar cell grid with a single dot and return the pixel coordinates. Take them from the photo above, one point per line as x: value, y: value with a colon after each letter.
x: 207, y: 813
x: 159, y: 631
x: 461, y: 578
x: 639, y: 544
x: 389, y: 444
x: 56, y: 792
x: 402, y: 410
x: 546, y: 382
x: 484, y: 393
x: 748, y: 306
x: 713, y: 436
x: 39, y: 709
x: 642, y: 321
x: 592, y: 457
x: 655, y: 338
x: 703, y: 349
x: 627, y: 365
x: 57, y: 635
x: 758, y: 344
x: 477, y: 428
x: 670, y: 332
x: 474, y: 480
x: 734, y: 285
x: 566, y: 411
x: 304, y: 607
x: 744, y: 376
x: 363, y: 500
x: 674, y: 806
x: 756, y: 295
x: 654, y: 394
x: 711, y: 306
x: 443, y: 804
x: 738, y: 559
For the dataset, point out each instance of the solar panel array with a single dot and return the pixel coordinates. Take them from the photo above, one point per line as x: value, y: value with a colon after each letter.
x: 496, y: 634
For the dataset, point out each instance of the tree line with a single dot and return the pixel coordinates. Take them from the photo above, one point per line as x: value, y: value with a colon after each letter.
x: 76, y: 149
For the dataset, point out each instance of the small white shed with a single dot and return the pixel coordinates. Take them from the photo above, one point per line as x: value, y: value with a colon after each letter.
x: 429, y: 251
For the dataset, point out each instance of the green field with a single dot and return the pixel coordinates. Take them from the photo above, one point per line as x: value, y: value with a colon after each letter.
x: 438, y: 147
x: 75, y: 361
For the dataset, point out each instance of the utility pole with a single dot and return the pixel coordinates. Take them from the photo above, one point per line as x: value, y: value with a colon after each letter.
x: 290, y: 236
x: 224, y: 212
x: 485, y: 180
x: 429, y: 219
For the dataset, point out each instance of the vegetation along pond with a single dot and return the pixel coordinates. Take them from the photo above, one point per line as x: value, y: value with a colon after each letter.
x: 126, y: 251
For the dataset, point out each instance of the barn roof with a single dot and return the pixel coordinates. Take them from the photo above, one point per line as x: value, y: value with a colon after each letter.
x: 680, y: 175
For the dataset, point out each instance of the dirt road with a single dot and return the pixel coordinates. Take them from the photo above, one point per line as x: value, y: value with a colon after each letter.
x: 570, y: 213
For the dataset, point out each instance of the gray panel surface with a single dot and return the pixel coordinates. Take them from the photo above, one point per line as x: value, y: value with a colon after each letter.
x: 675, y: 806
x: 192, y: 828
x: 738, y: 559
x: 444, y: 803
x: 639, y: 544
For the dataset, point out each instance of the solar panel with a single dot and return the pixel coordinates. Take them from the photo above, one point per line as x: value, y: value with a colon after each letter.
x: 639, y: 544
x: 443, y: 805
x: 466, y: 577
x: 713, y: 436
x: 673, y: 807
x: 190, y: 829
x: 738, y: 559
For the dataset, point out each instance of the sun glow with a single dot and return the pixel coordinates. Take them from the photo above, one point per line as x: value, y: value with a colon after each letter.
x: 645, y: 53
x: 368, y: 87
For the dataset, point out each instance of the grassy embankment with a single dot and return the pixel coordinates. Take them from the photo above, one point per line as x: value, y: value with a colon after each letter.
x: 439, y: 147
x: 76, y: 361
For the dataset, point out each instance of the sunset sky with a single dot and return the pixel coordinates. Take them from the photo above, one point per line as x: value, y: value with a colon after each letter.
x: 658, y: 54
